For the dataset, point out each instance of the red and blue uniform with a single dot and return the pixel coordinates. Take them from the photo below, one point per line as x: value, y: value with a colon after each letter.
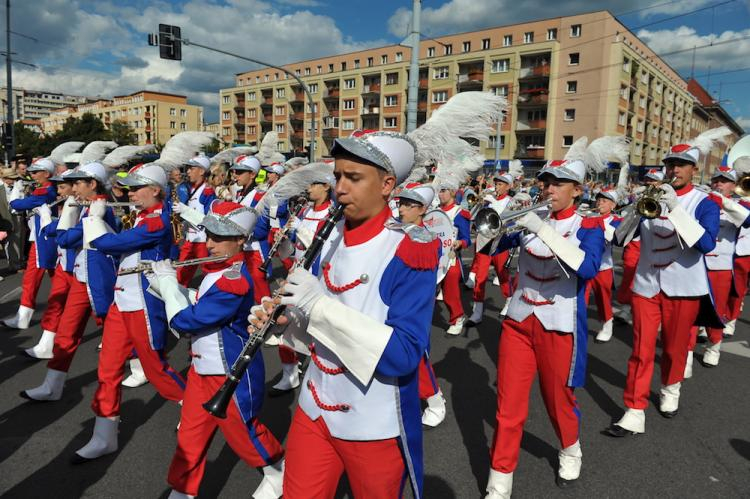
x: 452, y: 281
x: 200, y: 198
x: 603, y: 282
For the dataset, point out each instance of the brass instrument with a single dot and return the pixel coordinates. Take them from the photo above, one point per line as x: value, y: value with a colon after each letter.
x: 491, y: 225
x: 146, y: 266
x: 648, y: 205
x: 128, y: 220
x: 178, y: 232
x: 743, y: 186
x: 740, y: 149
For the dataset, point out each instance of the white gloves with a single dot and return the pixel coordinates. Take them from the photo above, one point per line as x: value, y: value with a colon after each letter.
x: 190, y: 215
x: 669, y: 197
x: 302, y: 290
x: 736, y: 213
x: 45, y: 215
x: 69, y: 215
x: 531, y: 222
x: 175, y: 297
x: 98, y: 208
x: 177, y: 208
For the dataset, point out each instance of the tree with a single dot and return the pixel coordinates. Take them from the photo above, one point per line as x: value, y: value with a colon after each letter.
x: 121, y: 133
x: 87, y: 128
x: 27, y: 141
x: 213, y: 148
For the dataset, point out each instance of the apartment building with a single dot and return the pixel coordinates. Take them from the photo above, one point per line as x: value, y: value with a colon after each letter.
x: 37, y: 104
x: 154, y: 117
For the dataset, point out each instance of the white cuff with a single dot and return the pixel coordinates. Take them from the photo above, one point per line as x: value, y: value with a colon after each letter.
x: 356, y: 339
x: 295, y: 335
x: 93, y: 228
x: 736, y: 213
x: 68, y: 217
x: 572, y: 255
x: 190, y: 215
x: 304, y: 236
x: 175, y: 296
x: 45, y: 218
x: 686, y: 226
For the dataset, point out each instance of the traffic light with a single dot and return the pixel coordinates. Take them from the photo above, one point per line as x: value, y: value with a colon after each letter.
x: 169, y: 42
x: 7, y: 137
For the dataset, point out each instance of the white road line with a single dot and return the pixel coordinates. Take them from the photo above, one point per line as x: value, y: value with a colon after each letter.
x: 741, y: 348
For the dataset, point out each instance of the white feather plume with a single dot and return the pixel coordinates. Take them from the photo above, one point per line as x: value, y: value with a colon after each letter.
x: 96, y: 151
x: 277, y: 157
x: 267, y: 148
x: 471, y: 115
x: 577, y: 151
x: 66, y: 148
x: 614, y: 148
x: 708, y: 139
x: 417, y: 174
x: 622, y: 182
x: 295, y: 163
x: 183, y: 146
x: 123, y: 154
x: 228, y: 155
x: 515, y: 168
x: 295, y: 183
x: 742, y: 165
x: 459, y: 160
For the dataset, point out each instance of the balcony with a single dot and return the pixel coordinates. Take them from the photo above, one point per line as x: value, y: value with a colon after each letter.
x: 266, y: 104
x: 533, y: 97
x: 239, y: 107
x: 265, y: 118
x: 297, y: 97
x: 422, y: 106
x: 423, y: 82
x: 147, y: 116
x: 537, y: 71
x: 297, y: 117
x: 331, y: 93
x: 371, y: 89
x: 330, y: 133
x: 472, y: 80
x: 370, y: 111
x: 525, y: 125
x: 239, y: 126
x: 530, y: 152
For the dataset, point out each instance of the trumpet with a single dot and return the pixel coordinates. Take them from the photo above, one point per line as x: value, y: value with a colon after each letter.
x: 648, y: 205
x: 743, y: 186
x: 146, y: 266
x: 491, y: 225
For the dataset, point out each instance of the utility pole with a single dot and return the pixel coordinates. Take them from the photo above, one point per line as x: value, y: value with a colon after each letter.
x: 413, y: 92
x: 497, y: 141
x: 9, y: 140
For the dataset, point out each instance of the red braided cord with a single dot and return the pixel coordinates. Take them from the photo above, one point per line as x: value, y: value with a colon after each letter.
x: 333, y: 371
x: 334, y: 288
x: 325, y: 407
x: 532, y: 302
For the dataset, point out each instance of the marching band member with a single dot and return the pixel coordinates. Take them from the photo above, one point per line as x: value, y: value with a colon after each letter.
x: 545, y: 329
x: 482, y: 260
x: 92, y: 285
x: 741, y: 258
x: 671, y: 287
x: 43, y: 251
x: 136, y: 319
x: 216, y: 324
x: 200, y: 197
x: 412, y: 206
x: 451, y: 285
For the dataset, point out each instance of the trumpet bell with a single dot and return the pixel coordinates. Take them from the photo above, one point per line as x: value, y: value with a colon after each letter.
x: 487, y: 222
x: 743, y: 186
x: 648, y: 205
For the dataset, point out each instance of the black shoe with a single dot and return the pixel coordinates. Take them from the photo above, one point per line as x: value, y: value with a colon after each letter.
x: 618, y: 431
x: 275, y: 392
x: 669, y: 414
x: 25, y: 395
x: 79, y: 459
x: 563, y: 483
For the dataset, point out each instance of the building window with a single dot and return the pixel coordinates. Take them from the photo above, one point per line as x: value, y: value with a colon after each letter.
x: 391, y: 100
x: 390, y: 122
x: 348, y: 104
x: 251, y: 129
x: 281, y: 146
x: 251, y: 96
x: 571, y: 87
x: 575, y: 31
x: 644, y: 77
x: 639, y: 126
x: 279, y: 128
x: 280, y: 110
x: 493, y: 141
x: 621, y: 119
x: 313, y: 88
x: 528, y: 37
x: 183, y: 126
x: 330, y: 68
x: 567, y: 140
x: 466, y: 47
x: 485, y: 44
x: 430, y: 51
x: 172, y: 125
x: 440, y: 73
x: 369, y: 62
x: 502, y: 91
x: 280, y: 93
x: 570, y: 115
x: 642, y: 102
x: 500, y: 65
x: 307, y: 71
x: 391, y: 78
x: 172, y: 111
x: 399, y: 56
x: 343, y: 66
x: 447, y: 49
x: 319, y: 69
x: 552, y: 34
x: 384, y: 59
x: 440, y: 96
x: 507, y: 40
x: 314, y: 107
x: 356, y: 63
x: 350, y: 83
x: 257, y: 79
x: 348, y: 125
x: 626, y: 65
x: 225, y: 131
x: 574, y: 59
x: 252, y: 113
x: 225, y: 99
x: 225, y: 115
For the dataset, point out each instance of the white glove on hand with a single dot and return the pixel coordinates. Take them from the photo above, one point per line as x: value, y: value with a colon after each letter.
x: 175, y: 296
x: 45, y: 215
x: 530, y: 222
x: 736, y: 213
x: 639, y: 190
x: 669, y: 197
x: 190, y: 215
x: 98, y: 208
x: 177, y: 208
x: 521, y: 199
x: 302, y: 290
x: 163, y: 268
x: 69, y: 215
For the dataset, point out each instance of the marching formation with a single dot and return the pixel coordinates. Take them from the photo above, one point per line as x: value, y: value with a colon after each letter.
x: 340, y: 264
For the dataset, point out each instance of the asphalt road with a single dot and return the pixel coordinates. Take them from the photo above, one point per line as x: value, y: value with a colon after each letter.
x: 703, y: 452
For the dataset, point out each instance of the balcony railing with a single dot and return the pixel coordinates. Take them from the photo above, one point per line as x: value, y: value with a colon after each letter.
x: 530, y: 152
x: 370, y: 110
x: 541, y: 70
x: 330, y: 133
x: 539, y: 124
x: 372, y: 88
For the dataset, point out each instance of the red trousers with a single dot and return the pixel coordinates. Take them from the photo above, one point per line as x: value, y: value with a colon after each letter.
x: 71, y: 325
x: 315, y: 461
x: 252, y: 442
x: 525, y: 349
x: 630, y: 256
x: 721, y: 286
x: 32, y: 279
x: 676, y: 317
x: 481, y: 267
x: 58, y: 294
x: 124, y: 331
x: 428, y: 385
x: 601, y: 285
x: 253, y: 260
x: 452, y: 291
x: 287, y: 355
x: 188, y: 251
x: 741, y: 273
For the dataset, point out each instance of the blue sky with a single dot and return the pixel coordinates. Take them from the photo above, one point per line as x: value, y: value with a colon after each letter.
x: 97, y: 47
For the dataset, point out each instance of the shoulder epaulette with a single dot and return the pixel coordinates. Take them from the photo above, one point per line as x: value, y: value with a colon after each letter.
x: 592, y: 223
x: 419, y: 255
x: 231, y: 281
x: 465, y: 213
x: 153, y: 222
x: 716, y: 199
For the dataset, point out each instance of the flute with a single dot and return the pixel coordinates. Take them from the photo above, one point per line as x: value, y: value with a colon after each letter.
x: 146, y: 266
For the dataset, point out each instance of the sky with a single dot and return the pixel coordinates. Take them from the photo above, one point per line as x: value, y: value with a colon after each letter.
x: 98, y: 48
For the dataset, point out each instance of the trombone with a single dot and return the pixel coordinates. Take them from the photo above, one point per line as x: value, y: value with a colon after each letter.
x: 492, y: 225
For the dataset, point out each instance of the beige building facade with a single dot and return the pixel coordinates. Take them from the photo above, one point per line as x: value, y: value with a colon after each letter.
x: 154, y: 117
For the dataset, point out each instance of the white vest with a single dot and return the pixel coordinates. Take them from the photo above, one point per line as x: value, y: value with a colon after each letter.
x: 128, y: 290
x: 742, y: 248
x: 247, y: 202
x: 205, y: 348
x: 544, y: 289
x: 374, y: 413
x: 607, y: 255
x: 310, y: 220
x: 195, y: 235
x: 665, y: 263
x: 722, y: 256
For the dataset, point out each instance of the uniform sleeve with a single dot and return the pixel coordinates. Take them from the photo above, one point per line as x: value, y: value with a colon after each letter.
x: 128, y: 241
x: 71, y: 238
x: 463, y: 223
x: 507, y: 242
x: 207, y: 197
x: 592, y: 244
x: 708, y: 215
x: 213, y: 310
x: 410, y: 296
x: 37, y: 199
x: 50, y: 230
x: 262, y: 228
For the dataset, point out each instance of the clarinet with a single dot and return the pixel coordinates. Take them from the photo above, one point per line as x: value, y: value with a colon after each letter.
x: 217, y: 405
x: 283, y: 234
